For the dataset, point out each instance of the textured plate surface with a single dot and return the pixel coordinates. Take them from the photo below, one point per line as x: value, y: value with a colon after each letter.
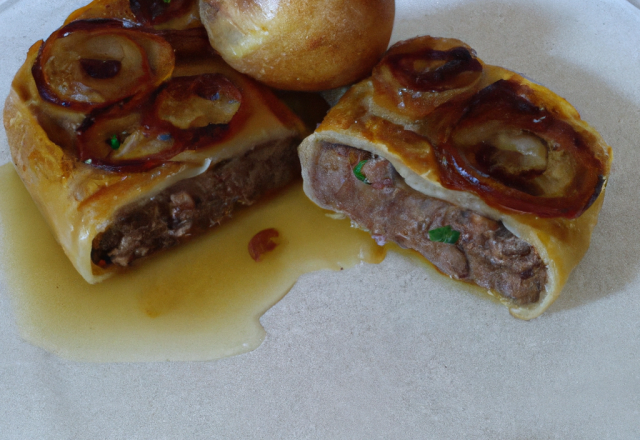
x: 395, y: 350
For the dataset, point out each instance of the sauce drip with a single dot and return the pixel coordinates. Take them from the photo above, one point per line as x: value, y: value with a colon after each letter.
x: 200, y: 301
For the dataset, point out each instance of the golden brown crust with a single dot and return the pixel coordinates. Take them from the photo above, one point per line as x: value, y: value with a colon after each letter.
x: 300, y: 44
x: 560, y: 242
x: 79, y: 200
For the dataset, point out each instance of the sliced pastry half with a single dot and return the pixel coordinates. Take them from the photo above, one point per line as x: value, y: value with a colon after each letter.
x: 132, y: 140
x: 492, y: 178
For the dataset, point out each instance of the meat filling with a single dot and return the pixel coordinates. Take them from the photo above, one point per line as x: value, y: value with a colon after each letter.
x: 194, y: 205
x: 486, y: 253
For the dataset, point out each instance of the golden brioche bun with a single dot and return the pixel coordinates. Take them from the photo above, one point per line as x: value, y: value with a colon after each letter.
x: 300, y: 44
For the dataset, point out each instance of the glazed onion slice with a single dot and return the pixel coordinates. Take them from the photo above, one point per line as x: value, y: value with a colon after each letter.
x: 155, y: 12
x: 194, y: 102
x: 203, y: 109
x: 117, y: 139
x: 416, y: 76
x: 518, y: 155
x: 90, y: 64
x: 185, y: 113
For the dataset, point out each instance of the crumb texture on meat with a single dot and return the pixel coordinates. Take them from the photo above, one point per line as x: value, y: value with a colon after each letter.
x: 194, y: 205
x: 486, y: 254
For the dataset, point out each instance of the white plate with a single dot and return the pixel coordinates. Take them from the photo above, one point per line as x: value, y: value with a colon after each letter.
x: 390, y: 351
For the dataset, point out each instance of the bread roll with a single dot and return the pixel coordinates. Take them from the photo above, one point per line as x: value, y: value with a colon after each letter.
x: 300, y: 44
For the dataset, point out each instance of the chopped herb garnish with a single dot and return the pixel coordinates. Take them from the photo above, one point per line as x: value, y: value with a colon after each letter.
x: 114, y: 143
x: 357, y: 171
x: 167, y: 1
x: 444, y: 234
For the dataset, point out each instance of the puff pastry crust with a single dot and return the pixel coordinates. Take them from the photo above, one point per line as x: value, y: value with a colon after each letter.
x: 409, y: 140
x: 79, y: 200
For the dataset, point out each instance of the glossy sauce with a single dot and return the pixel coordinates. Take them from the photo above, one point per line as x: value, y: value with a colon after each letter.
x: 200, y: 301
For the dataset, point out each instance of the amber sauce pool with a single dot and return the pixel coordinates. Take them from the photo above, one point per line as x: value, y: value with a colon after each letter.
x: 200, y: 301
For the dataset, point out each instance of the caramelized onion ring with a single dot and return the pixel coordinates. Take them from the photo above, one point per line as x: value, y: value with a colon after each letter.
x: 516, y: 154
x: 90, y: 64
x: 186, y: 113
x: 200, y: 109
x: 416, y: 76
x: 155, y: 12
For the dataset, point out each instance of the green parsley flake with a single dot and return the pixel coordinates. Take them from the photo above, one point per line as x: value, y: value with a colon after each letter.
x: 114, y: 143
x: 444, y: 234
x: 357, y: 171
x: 167, y: 1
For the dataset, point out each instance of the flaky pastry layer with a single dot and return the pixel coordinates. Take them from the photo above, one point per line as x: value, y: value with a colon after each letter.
x: 560, y: 242
x: 78, y: 200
